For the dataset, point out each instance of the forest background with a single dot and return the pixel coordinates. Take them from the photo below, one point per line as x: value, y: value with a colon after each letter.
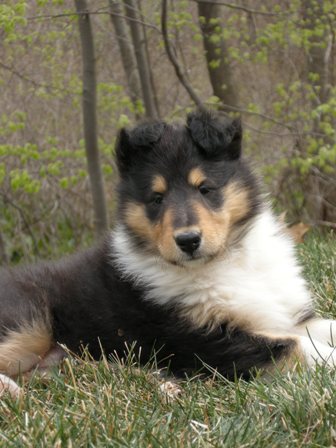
x: 72, y: 73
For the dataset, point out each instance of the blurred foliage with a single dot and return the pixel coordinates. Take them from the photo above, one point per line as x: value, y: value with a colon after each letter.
x: 297, y: 109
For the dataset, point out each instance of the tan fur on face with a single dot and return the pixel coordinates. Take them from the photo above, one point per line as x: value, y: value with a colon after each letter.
x: 215, y: 226
x: 159, y: 184
x: 136, y: 219
x: 196, y: 177
x: 164, y: 237
x: 159, y: 236
x: 236, y: 203
x: 24, y: 348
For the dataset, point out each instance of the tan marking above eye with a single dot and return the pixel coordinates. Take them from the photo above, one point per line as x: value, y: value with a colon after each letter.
x: 159, y: 184
x: 196, y: 177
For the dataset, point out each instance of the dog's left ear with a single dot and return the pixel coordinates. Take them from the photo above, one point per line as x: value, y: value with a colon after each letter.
x: 216, y: 136
x: 131, y: 143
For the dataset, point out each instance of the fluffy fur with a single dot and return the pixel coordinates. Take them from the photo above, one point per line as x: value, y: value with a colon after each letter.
x: 197, y: 270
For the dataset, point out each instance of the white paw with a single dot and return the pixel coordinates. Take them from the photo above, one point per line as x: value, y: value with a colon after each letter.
x: 170, y: 389
x: 10, y: 386
x: 315, y: 352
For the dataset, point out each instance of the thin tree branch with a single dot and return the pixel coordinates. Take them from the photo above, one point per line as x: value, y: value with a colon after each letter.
x: 241, y: 110
x: 85, y: 13
x: 285, y: 134
x: 171, y: 56
x: 31, y: 81
x: 241, y: 8
x: 327, y: 224
x: 7, y: 200
x: 257, y: 114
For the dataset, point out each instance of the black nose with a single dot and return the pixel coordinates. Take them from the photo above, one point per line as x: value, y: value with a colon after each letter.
x: 188, y: 241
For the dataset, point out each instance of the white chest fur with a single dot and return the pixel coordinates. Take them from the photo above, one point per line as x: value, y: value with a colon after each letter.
x: 257, y: 284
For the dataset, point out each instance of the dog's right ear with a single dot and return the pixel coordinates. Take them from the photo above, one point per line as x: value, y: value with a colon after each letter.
x: 216, y: 136
x: 131, y: 144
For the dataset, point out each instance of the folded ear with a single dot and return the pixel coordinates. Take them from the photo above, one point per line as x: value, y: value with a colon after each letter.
x: 216, y: 136
x: 131, y: 143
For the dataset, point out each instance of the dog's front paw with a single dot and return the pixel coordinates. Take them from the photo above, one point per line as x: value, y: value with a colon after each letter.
x: 10, y: 386
x: 317, y: 353
x: 170, y: 389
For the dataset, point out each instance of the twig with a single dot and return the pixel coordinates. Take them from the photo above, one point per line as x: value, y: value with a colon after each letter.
x: 327, y: 224
x: 24, y: 219
x: 286, y: 134
x: 328, y: 179
x: 31, y: 81
x: 241, y: 8
x: 171, y: 56
x: 85, y: 13
x: 258, y: 114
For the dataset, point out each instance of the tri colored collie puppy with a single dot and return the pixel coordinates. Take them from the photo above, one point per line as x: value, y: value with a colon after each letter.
x: 197, y: 269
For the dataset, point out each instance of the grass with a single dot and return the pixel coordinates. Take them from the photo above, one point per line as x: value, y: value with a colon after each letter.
x: 101, y: 405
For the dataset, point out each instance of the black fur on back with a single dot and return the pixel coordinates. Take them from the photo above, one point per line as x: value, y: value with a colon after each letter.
x: 91, y: 306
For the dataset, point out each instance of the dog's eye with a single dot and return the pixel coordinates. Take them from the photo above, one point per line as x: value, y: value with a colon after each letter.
x: 203, y: 189
x: 157, y: 198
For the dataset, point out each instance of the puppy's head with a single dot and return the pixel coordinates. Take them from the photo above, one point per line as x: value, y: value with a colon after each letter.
x: 184, y: 189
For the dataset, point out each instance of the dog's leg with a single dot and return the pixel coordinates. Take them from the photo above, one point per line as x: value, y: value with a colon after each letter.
x: 269, y: 351
x: 285, y: 351
x: 236, y: 353
x: 322, y: 330
x: 305, y: 350
x: 52, y: 358
x: 45, y: 365
x: 26, y: 351
x: 21, y: 350
x: 24, y: 348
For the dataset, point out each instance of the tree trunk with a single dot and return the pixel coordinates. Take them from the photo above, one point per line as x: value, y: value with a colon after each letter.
x: 90, y: 118
x: 215, y: 52
x: 317, y: 56
x: 126, y: 50
x: 3, y: 254
x: 155, y: 97
x: 138, y: 40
